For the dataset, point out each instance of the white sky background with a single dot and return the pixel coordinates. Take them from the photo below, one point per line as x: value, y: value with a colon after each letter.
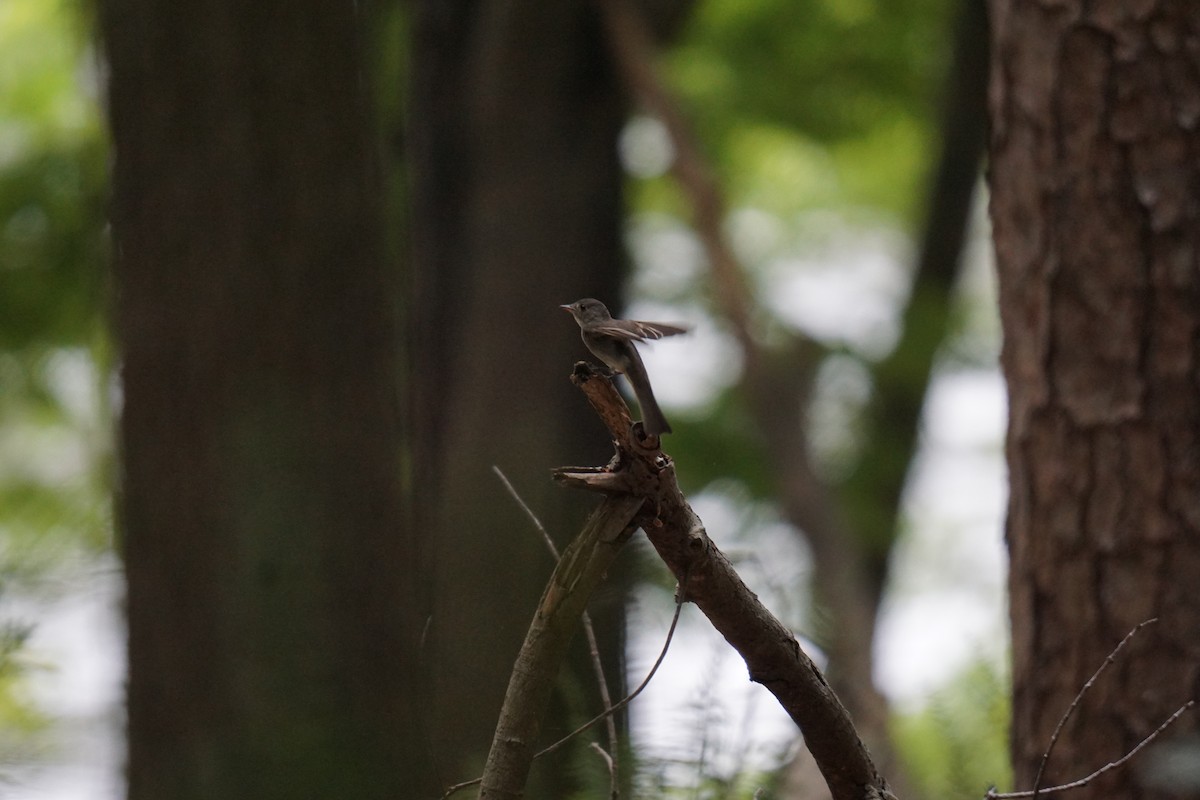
x: 79, y: 649
x: 945, y: 607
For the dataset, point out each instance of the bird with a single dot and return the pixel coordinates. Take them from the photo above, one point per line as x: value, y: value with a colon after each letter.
x: 612, y: 341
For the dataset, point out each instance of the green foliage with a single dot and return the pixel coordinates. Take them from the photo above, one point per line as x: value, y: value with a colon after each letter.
x: 818, y: 114
x: 53, y: 249
x: 721, y: 444
x: 696, y: 778
x: 826, y: 110
x: 52, y: 186
x: 817, y: 102
x: 957, y: 746
x: 54, y: 441
x: 20, y: 722
x: 51, y: 246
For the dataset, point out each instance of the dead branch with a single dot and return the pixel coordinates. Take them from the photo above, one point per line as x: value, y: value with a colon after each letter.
x: 772, y: 654
x: 512, y: 770
x: 589, y: 631
x: 640, y: 490
x: 580, y: 570
x: 609, y: 710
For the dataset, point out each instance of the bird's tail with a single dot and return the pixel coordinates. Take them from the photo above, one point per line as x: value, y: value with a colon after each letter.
x: 652, y: 417
x: 653, y: 421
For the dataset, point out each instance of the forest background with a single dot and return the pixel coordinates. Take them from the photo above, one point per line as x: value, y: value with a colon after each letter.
x: 839, y: 410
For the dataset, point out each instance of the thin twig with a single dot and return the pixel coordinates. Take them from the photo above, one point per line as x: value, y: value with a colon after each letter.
x: 589, y: 632
x: 458, y: 787
x: 1037, y: 781
x: 610, y: 711
x: 537, y: 523
x: 612, y: 770
x: 993, y: 795
x: 614, y: 742
x: 679, y: 600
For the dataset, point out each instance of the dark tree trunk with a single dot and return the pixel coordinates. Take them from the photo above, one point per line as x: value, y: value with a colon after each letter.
x: 273, y: 624
x: 516, y: 197
x: 1095, y: 178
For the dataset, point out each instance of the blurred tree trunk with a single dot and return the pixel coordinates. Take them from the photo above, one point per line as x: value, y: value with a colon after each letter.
x: 1096, y: 210
x: 273, y: 621
x: 516, y: 209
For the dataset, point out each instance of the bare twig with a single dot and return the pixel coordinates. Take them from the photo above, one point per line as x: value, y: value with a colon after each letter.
x: 537, y: 523
x: 458, y: 787
x: 1037, y: 781
x: 1037, y: 789
x: 589, y: 631
x: 628, y: 698
x: 994, y: 795
x: 611, y: 763
x: 680, y: 597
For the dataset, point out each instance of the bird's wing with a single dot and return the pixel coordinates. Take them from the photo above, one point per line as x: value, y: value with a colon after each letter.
x: 656, y: 330
x: 633, y: 330
x: 617, y: 329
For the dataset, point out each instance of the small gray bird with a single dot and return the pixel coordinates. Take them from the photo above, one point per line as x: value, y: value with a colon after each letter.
x: 612, y: 341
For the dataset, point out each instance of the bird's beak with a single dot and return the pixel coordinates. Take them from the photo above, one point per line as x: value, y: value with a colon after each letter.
x: 566, y: 308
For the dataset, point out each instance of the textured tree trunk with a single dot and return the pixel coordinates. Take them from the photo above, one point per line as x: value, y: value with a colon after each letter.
x: 516, y: 198
x: 1095, y: 177
x: 273, y: 625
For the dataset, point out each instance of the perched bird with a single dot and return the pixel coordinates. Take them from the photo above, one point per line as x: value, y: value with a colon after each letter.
x: 612, y: 341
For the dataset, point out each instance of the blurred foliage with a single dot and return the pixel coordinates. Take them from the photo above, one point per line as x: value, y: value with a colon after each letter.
x: 54, y: 430
x: 816, y: 103
x: 957, y: 745
x: 20, y: 722
x: 820, y: 119
x: 721, y: 444
x: 53, y: 247
x: 52, y: 189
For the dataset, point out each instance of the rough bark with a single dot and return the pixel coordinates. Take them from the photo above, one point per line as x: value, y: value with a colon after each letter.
x: 1095, y: 178
x: 272, y: 632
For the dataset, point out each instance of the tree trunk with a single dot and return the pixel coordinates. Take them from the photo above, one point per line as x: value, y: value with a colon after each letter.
x: 273, y: 624
x: 1095, y: 175
x: 516, y: 210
